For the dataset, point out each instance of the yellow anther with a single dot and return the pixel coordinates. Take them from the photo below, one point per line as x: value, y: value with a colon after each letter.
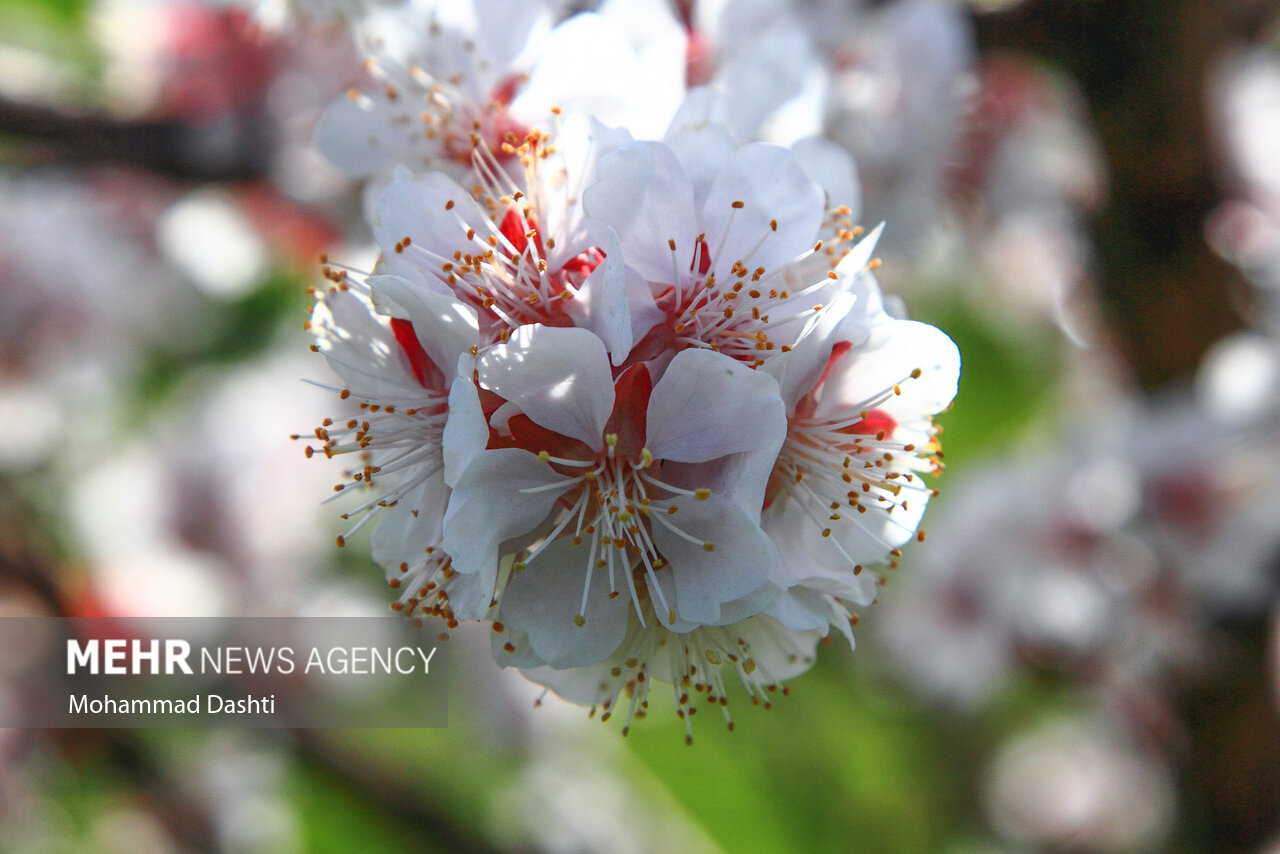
x: 647, y: 456
x: 544, y: 457
x: 611, y: 439
x: 702, y: 494
x: 708, y: 546
x: 579, y: 620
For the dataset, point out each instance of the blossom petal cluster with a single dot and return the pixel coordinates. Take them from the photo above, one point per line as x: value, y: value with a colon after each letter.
x: 630, y: 396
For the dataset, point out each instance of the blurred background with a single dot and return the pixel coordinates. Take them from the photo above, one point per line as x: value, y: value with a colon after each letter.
x: 1081, y: 657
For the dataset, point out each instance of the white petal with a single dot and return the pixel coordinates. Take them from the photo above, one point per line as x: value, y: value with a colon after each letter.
x: 559, y: 377
x: 804, y: 115
x: 470, y: 596
x: 742, y: 478
x: 465, y: 432
x: 739, y: 564
x: 801, y: 609
x: 778, y: 652
x: 359, y: 136
x: 799, y: 369
x: 585, y: 686
x: 593, y: 684
x: 579, y: 145
x: 520, y: 655
x: 615, y: 303
x: 601, y: 303
x: 708, y: 406
x: 753, y: 603
x: 864, y: 536
x: 808, y: 558
x: 584, y: 67
x: 408, y: 527
x: 487, y: 507
x: 762, y: 79
x: 733, y: 611
x: 419, y: 209
x: 853, y: 278
x: 642, y: 192
x: 446, y: 328
x: 702, y: 105
x: 831, y: 167
x: 362, y: 350
x: 660, y: 43
x: 856, y: 261
x: 895, y: 349
x: 590, y: 64
x: 772, y: 187
x: 700, y: 139
x: 544, y: 598
x: 509, y: 32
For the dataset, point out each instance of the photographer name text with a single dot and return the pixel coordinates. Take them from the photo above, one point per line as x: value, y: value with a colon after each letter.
x: 213, y: 704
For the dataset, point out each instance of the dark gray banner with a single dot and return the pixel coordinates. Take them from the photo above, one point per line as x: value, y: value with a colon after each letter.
x: 363, y: 672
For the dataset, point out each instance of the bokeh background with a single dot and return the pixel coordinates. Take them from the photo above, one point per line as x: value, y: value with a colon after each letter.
x: 1081, y: 657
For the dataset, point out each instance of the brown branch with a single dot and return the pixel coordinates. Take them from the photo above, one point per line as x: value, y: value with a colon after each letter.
x: 1143, y: 67
x: 231, y: 149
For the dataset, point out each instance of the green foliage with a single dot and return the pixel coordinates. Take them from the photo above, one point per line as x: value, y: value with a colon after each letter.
x: 56, y: 28
x: 836, y: 767
x: 1004, y: 381
x: 233, y: 331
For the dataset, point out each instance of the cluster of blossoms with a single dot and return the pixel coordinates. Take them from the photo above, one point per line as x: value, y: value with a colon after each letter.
x: 636, y: 403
